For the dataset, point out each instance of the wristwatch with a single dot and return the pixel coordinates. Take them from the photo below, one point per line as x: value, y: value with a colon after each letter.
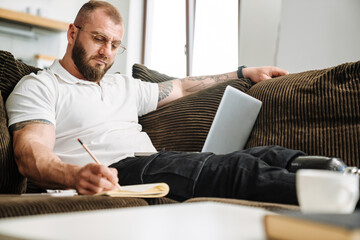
x: 240, y: 71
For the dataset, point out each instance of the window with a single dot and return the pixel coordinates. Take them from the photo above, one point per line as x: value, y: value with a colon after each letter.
x: 210, y: 38
x: 166, y: 37
x: 215, y: 37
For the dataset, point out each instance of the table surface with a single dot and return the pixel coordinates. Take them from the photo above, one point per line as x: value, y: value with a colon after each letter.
x: 201, y: 220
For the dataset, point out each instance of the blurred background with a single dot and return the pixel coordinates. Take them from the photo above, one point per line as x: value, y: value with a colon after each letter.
x: 196, y: 37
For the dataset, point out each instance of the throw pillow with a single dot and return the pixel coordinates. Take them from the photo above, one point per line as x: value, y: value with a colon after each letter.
x: 10, y: 181
x: 315, y: 111
x: 183, y: 125
x: 11, y: 71
x: 148, y: 75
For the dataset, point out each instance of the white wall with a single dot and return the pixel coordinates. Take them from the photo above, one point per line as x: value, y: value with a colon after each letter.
x: 259, y: 22
x: 317, y: 34
x: 299, y: 35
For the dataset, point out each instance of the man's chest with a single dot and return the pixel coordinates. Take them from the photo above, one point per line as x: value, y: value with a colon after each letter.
x: 86, y: 106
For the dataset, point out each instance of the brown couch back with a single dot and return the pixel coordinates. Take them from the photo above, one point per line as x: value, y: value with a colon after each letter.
x: 315, y: 111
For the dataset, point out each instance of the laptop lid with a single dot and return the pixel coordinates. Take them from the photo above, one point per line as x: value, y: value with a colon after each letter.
x: 233, y: 122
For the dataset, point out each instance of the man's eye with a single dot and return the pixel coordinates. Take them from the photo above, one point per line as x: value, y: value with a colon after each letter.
x: 100, y: 39
x: 115, y: 45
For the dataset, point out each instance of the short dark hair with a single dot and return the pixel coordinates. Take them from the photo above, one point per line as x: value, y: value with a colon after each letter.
x: 83, y: 15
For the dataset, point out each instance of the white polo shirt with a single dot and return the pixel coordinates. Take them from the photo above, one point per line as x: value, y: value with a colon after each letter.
x: 104, y: 117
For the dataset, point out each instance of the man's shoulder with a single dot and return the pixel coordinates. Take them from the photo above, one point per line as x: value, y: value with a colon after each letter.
x: 44, y: 75
x: 43, y: 79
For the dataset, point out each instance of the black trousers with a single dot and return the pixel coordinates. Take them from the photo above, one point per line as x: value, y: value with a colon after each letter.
x: 257, y: 174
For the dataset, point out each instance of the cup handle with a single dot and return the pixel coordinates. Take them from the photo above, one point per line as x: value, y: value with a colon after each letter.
x: 345, y: 196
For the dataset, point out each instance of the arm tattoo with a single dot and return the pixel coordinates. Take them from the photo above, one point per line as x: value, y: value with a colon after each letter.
x: 21, y: 125
x: 165, y: 88
x: 216, y: 78
x: 206, y: 81
x: 196, y: 88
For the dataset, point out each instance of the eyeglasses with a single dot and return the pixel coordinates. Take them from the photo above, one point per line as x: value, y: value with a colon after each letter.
x: 101, y: 40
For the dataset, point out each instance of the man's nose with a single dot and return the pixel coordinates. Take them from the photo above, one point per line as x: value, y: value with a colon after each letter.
x: 106, y: 49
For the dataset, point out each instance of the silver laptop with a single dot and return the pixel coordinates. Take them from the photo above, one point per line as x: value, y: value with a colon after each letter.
x: 233, y: 122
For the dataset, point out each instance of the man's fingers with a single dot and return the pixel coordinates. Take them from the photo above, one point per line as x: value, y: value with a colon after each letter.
x: 94, y: 184
x: 94, y: 178
x: 108, y: 173
x: 265, y: 73
x: 114, y: 179
x: 278, y: 72
x: 86, y: 187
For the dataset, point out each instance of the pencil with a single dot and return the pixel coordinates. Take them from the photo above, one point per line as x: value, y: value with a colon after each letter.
x: 93, y: 157
x: 88, y: 150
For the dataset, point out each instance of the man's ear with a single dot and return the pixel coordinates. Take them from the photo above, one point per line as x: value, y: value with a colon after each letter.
x: 71, y: 33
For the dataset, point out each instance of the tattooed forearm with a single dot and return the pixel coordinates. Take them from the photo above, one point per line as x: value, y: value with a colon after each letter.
x: 174, y: 89
x: 215, y: 78
x: 165, y: 88
x: 20, y: 125
x: 197, y: 87
x: 204, y: 82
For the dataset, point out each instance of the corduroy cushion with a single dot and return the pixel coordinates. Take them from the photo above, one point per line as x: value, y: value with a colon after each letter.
x: 11, y: 71
x: 10, y: 179
x: 141, y: 72
x: 183, y: 125
x: 316, y: 111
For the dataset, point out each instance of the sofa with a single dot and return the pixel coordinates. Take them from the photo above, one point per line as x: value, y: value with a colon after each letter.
x: 316, y: 111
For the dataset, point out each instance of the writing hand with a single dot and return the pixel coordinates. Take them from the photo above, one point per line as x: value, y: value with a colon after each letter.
x: 94, y: 178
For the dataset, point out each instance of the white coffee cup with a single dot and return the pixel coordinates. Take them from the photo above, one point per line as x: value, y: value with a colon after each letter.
x: 322, y: 191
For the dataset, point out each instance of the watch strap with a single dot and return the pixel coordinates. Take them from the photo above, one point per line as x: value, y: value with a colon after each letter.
x: 240, y: 71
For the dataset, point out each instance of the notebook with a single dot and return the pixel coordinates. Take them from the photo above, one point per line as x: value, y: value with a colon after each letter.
x: 233, y: 122
x: 296, y: 225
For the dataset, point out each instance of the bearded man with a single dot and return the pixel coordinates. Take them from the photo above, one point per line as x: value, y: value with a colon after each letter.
x: 75, y: 98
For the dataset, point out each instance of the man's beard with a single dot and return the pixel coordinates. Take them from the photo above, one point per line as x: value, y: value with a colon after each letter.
x: 90, y: 73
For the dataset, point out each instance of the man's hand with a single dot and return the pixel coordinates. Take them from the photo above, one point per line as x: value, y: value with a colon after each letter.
x: 94, y: 178
x: 258, y: 74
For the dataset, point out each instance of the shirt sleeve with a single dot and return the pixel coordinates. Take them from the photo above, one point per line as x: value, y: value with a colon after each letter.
x: 148, y: 94
x: 33, y: 98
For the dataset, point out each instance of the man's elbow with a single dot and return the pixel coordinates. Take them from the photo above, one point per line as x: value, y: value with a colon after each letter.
x: 23, y: 170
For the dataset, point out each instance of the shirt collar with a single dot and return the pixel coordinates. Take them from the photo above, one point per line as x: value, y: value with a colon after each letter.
x: 65, y: 76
